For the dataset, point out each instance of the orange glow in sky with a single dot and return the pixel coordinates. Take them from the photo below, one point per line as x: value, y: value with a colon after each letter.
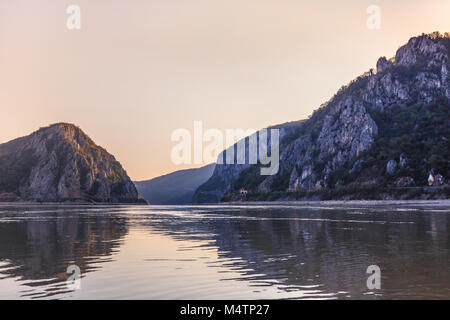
x: 137, y: 70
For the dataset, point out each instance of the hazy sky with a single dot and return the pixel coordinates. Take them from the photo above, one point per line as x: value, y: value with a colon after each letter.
x: 139, y: 69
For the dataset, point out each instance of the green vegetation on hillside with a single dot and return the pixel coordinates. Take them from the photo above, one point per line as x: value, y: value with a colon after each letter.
x: 420, y: 133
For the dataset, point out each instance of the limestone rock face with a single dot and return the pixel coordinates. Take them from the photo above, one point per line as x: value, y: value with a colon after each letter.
x: 61, y: 163
x: 383, y: 64
x: 317, y: 152
x: 347, y: 131
x: 403, y: 161
x: 425, y: 46
x: 391, y: 167
x: 293, y: 180
x: 418, y: 74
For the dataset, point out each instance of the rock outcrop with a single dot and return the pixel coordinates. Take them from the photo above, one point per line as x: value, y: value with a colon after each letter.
x: 61, y: 163
x: 391, y: 167
x: 383, y: 64
x: 335, y: 146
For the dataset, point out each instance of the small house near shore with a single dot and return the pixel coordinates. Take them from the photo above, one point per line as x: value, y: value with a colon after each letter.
x: 430, y: 180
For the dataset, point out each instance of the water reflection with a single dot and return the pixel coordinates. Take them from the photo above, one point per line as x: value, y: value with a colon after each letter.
x: 226, y: 251
x: 326, y: 252
x: 37, y: 244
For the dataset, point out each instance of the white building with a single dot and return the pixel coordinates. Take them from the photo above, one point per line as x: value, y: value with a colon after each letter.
x: 430, y: 180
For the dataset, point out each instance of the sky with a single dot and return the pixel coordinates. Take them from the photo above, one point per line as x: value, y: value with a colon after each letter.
x: 137, y: 70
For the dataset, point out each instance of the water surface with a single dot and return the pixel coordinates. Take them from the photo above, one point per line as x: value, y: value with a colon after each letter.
x: 223, y: 252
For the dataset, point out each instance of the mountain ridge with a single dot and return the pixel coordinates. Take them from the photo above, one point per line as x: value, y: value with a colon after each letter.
x: 176, y: 188
x: 319, y: 157
x: 60, y: 163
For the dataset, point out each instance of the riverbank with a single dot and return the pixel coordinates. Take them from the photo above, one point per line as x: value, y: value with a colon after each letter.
x: 344, y: 203
x: 73, y: 203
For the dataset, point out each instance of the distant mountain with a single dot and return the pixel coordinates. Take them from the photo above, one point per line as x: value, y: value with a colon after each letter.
x: 379, y: 137
x: 61, y: 163
x: 174, y: 188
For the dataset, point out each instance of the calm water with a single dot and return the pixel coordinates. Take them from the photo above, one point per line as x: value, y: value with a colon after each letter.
x: 223, y: 252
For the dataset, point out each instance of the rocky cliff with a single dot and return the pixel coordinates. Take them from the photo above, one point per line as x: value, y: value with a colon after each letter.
x: 399, y: 111
x: 61, y: 163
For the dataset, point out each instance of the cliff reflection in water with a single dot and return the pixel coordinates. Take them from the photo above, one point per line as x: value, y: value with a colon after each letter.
x: 224, y: 251
x: 326, y: 250
x: 38, y: 243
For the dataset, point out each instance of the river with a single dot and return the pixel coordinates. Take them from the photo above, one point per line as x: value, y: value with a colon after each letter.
x: 223, y: 252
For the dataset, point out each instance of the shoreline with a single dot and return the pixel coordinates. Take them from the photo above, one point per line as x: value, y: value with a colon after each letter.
x: 112, y: 204
x: 436, y: 203
x: 341, y: 203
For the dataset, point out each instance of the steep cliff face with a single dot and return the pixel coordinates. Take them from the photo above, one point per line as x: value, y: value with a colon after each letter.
x: 336, y: 144
x: 61, y: 163
x: 225, y: 175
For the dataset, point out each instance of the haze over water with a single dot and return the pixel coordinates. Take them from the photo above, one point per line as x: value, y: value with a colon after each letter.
x: 224, y: 252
